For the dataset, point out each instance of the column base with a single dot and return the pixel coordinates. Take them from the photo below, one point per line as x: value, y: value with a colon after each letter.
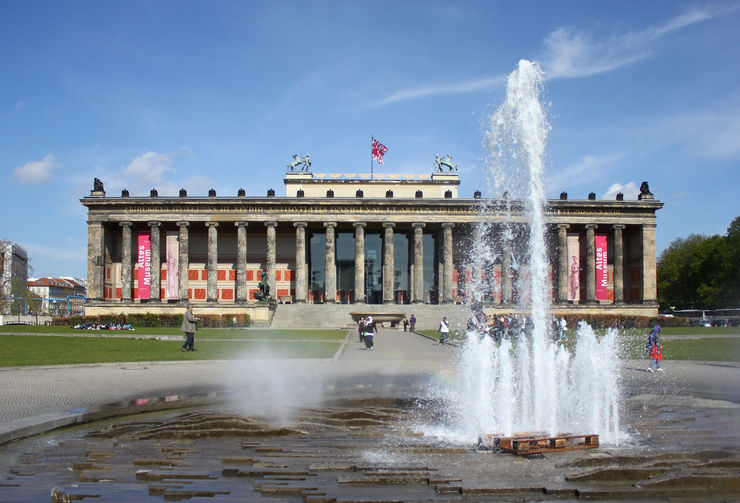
x: 358, y: 302
x: 330, y: 302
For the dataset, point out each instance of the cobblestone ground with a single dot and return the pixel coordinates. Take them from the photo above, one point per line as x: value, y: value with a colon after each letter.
x: 358, y: 439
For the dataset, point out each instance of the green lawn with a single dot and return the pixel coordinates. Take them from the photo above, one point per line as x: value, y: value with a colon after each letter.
x: 632, y: 345
x: 204, y: 333
x: 54, y: 350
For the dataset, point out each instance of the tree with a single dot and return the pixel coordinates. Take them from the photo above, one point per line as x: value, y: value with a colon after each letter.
x: 701, y: 272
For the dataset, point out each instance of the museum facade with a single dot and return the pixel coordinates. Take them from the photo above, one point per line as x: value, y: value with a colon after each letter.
x: 363, y: 239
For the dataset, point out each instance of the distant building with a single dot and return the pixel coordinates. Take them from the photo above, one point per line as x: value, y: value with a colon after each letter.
x: 55, y: 291
x: 13, y: 272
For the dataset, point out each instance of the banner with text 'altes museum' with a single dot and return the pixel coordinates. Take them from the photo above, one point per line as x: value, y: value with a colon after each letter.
x: 171, y: 291
x: 574, y: 267
x: 145, y: 264
x: 602, y: 271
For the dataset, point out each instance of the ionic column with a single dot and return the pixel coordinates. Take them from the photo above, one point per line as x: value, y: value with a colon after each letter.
x: 418, y: 296
x: 563, y: 262
x: 359, y: 262
x: 330, y: 265
x: 447, y: 260
x: 183, y: 260
x: 156, y: 283
x: 618, y: 264
x: 389, y: 268
x: 649, y: 272
x: 95, y: 261
x: 506, y: 289
x: 271, y: 258
x: 301, y: 283
x: 590, y: 264
x: 126, y: 266
x: 212, y: 284
x: 241, y: 261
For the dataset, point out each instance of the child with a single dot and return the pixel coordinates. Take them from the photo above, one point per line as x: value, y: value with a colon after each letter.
x: 654, y: 349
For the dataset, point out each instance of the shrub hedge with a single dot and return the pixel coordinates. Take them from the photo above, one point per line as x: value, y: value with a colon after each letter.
x: 155, y: 320
x: 615, y: 320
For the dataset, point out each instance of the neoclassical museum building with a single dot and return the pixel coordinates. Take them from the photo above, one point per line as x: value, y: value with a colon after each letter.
x: 364, y: 240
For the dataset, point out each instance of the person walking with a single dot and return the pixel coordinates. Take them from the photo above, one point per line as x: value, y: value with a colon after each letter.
x: 189, y: 326
x: 405, y: 324
x: 370, y: 331
x: 412, y: 322
x: 654, y: 349
x: 444, y: 331
x: 563, y: 335
x: 361, y: 329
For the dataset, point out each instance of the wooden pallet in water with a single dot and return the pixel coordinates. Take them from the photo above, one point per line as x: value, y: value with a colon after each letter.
x: 528, y: 443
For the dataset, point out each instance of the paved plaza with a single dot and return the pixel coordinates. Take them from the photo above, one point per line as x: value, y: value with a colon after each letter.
x: 684, y: 426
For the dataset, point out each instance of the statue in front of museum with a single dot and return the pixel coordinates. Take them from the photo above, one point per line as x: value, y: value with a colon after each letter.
x: 300, y: 163
x: 440, y: 164
x: 264, y: 289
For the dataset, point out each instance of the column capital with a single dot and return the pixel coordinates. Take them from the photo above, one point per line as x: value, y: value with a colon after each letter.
x: 359, y: 224
x: 125, y: 224
x: 271, y: 223
x: 619, y: 226
x: 183, y: 223
x: 417, y: 225
x: 211, y: 224
x: 300, y: 225
x: 154, y: 223
x: 241, y: 224
x: 330, y: 224
x: 388, y: 224
x: 650, y: 225
x: 591, y: 226
x: 448, y: 225
x: 563, y: 226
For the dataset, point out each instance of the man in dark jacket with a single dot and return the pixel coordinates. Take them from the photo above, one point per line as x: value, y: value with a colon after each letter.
x: 189, y: 326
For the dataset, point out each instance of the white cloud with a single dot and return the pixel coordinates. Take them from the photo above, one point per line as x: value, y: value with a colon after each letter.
x: 570, y: 53
x: 35, y: 171
x: 463, y: 86
x: 630, y: 191
x: 149, y: 170
x: 589, y: 167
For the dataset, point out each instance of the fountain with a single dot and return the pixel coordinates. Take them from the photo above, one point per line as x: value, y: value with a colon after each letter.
x: 526, y: 382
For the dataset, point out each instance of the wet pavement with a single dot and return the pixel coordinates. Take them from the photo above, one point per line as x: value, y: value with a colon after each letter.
x: 354, y: 435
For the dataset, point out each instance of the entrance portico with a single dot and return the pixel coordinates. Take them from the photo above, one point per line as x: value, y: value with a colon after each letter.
x: 387, y: 242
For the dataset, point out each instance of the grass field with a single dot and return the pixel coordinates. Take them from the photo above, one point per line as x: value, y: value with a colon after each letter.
x: 204, y: 333
x: 632, y: 344
x: 22, y: 350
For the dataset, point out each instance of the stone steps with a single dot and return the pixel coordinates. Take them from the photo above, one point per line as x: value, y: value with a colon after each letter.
x: 336, y: 316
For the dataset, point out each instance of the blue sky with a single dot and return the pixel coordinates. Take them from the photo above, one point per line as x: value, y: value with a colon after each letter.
x: 221, y: 94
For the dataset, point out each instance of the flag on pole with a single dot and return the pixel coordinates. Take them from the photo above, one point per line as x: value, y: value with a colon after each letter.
x: 379, y: 151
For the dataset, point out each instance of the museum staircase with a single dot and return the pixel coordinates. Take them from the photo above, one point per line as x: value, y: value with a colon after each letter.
x: 336, y: 316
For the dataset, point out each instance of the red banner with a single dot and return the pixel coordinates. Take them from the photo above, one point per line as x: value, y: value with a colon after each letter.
x: 145, y: 265
x: 379, y: 151
x: 602, y: 271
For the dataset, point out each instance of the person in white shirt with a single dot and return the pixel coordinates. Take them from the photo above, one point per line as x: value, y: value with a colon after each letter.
x: 444, y: 331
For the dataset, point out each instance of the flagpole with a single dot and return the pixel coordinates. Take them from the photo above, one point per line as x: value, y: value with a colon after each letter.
x: 372, y: 139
